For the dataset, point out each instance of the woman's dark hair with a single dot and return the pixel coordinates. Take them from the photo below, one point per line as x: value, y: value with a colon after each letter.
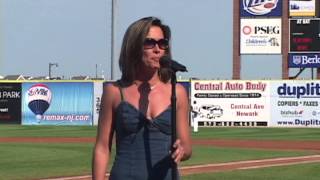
x: 132, y: 48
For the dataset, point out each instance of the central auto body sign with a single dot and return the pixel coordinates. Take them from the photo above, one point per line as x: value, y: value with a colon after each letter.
x: 224, y: 101
x: 260, y: 36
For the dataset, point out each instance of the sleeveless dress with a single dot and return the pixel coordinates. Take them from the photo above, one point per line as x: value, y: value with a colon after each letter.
x: 142, y: 145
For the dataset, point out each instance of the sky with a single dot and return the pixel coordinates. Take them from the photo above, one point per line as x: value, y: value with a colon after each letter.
x: 76, y: 34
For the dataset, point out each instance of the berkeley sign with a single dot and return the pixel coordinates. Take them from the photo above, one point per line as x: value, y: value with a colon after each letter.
x: 304, y: 60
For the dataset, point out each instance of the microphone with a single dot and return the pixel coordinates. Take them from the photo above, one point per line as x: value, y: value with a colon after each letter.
x: 167, y: 62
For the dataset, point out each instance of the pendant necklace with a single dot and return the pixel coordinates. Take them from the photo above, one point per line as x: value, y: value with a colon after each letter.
x: 150, y: 86
x: 154, y: 86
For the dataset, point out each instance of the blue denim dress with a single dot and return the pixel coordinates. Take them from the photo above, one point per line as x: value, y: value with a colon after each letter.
x: 142, y: 145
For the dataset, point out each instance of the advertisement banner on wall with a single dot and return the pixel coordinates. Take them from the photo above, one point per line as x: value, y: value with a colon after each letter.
x: 304, y: 35
x: 295, y: 104
x: 57, y: 103
x: 253, y: 8
x: 10, y: 103
x: 260, y: 36
x: 97, y: 95
x: 220, y: 101
x: 301, y: 60
x: 302, y: 8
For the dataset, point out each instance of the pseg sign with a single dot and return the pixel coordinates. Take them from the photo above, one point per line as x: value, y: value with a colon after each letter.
x: 304, y: 60
x: 260, y: 36
x: 250, y: 8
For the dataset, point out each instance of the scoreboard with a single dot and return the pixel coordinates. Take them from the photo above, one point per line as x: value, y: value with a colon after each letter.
x: 304, y: 35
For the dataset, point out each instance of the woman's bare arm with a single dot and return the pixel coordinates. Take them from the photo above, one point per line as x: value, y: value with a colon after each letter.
x: 103, y: 144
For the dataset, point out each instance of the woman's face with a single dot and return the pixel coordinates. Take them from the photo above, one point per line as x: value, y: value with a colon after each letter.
x: 154, y: 48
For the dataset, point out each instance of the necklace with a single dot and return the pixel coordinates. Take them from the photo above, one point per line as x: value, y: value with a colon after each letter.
x: 146, y: 85
x: 153, y: 86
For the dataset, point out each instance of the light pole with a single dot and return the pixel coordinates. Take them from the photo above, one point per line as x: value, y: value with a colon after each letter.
x: 96, y: 71
x: 113, y: 36
x: 50, y: 65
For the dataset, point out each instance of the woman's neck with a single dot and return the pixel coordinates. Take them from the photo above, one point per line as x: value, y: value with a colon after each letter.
x: 150, y: 78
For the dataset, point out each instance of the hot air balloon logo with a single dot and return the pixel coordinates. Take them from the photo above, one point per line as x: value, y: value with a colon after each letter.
x: 39, y: 99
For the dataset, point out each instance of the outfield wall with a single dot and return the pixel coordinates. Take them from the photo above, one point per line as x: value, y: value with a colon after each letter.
x: 58, y: 102
x: 283, y: 103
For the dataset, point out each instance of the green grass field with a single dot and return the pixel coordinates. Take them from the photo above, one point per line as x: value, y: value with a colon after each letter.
x: 204, y: 133
x: 47, y: 131
x: 293, y: 172
x: 34, y: 161
x: 41, y: 160
x: 304, y: 134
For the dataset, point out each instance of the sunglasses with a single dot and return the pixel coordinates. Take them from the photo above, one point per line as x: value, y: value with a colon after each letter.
x: 150, y: 43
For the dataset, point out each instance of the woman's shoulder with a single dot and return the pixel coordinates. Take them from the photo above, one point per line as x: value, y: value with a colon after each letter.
x: 111, y: 93
x: 111, y: 87
x: 181, y: 91
x: 180, y: 87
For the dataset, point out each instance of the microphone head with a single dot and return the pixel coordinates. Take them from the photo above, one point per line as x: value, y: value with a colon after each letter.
x: 167, y: 62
